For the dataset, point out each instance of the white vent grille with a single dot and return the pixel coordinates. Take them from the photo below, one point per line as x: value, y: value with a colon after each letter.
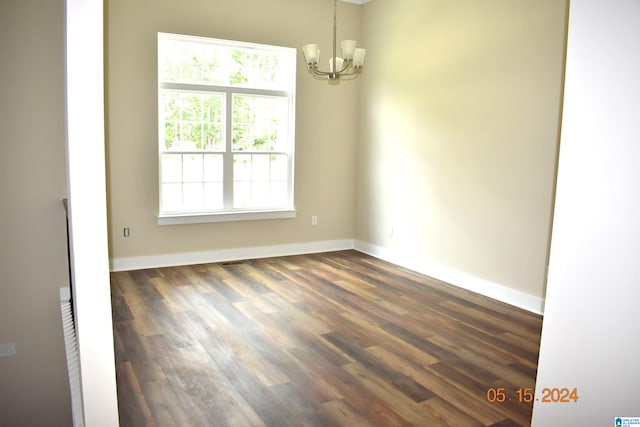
x: 73, y: 360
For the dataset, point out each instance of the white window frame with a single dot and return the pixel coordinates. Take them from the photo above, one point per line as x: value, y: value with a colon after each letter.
x: 229, y: 213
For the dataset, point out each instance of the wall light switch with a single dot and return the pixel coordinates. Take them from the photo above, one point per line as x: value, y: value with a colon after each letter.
x: 7, y: 349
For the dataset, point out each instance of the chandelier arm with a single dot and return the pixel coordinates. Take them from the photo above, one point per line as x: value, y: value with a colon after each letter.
x: 348, y: 64
x: 345, y: 66
x: 314, y: 70
x: 321, y: 76
x: 350, y: 76
x: 346, y: 71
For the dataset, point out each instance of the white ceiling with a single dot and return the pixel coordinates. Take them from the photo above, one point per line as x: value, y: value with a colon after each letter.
x: 355, y: 1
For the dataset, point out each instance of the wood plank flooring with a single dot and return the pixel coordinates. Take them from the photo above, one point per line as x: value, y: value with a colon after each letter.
x: 331, y: 339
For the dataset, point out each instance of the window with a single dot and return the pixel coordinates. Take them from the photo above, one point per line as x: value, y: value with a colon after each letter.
x: 226, y: 129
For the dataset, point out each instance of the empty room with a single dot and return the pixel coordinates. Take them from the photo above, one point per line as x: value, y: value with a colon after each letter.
x: 438, y: 156
x: 319, y: 212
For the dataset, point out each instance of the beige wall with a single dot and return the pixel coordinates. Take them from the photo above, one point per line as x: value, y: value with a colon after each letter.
x: 456, y: 154
x: 460, y: 120
x: 34, y: 389
x: 326, y: 120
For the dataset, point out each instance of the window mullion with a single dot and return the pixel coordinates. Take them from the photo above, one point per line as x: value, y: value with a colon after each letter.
x: 195, y: 87
x: 228, y: 153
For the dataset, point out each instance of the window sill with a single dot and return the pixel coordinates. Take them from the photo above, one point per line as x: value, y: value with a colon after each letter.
x: 197, y: 218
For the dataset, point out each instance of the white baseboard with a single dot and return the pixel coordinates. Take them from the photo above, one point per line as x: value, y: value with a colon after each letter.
x: 457, y: 278
x: 189, y: 258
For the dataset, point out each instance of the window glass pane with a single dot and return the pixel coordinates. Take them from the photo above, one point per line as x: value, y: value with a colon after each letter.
x: 191, y: 62
x: 260, y: 194
x: 218, y: 62
x: 241, y: 194
x: 213, y: 168
x: 190, y: 67
x: 170, y: 115
x: 241, y: 167
x: 259, y: 123
x: 256, y: 69
x: 260, y: 167
x: 213, y: 65
x: 279, y: 167
x: 169, y: 60
x: 213, y: 195
x: 171, y: 168
x: 193, y: 196
x: 171, y: 105
x: 279, y: 195
x: 171, y: 132
x: 256, y: 184
x: 192, y: 121
x: 190, y: 108
x: 192, y: 168
x: 212, y: 137
x: 171, y: 197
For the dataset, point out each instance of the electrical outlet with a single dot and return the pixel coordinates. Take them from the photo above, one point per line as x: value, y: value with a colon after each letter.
x: 126, y: 232
x: 7, y: 349
x: 314, y: 220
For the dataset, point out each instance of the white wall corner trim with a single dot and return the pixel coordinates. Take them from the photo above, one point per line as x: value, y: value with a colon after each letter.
x: 235, y: 254
x: 457, y: 278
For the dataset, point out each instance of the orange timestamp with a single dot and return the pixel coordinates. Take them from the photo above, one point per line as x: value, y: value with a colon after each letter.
x: 526, y: 395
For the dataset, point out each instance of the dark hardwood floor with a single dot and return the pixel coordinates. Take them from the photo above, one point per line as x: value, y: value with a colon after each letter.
x: 332, y: 339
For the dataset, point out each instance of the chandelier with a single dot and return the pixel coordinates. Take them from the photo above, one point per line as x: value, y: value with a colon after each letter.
x: 349, y: 65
